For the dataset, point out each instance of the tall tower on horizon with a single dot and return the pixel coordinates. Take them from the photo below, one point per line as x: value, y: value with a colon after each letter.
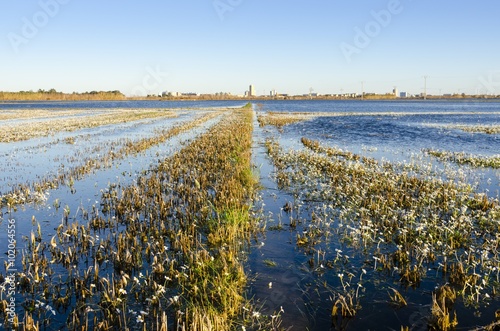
x: 251, y: 91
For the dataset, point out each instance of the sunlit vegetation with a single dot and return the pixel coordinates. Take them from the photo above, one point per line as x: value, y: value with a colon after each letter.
x: 408, y: 228
x: 442, y: 302
x: 165, y: 248
x: 52, y: 94
x: 35, y: 192
x: 281, y: 119
x: 32, y: 114
x: 165, y: 253
x: 464, y: 158
x: 489, y: 129
x: 300, y: 116
x: 24, y: 131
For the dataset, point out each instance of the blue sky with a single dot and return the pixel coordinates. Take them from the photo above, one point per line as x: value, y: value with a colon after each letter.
x: 208, y: 46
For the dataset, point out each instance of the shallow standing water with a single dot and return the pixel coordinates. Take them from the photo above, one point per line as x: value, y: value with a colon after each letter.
x: 35, y: 160
x: 300, y: 281
x: 399, y: 130
x: 285, y: 276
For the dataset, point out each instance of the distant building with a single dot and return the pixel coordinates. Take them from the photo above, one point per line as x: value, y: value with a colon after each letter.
x: 395, y: 92
x: 346, y: 95
x: 171, y: 94
x: 251, y: 91
x: 404, y: 95
x: 273, y: 93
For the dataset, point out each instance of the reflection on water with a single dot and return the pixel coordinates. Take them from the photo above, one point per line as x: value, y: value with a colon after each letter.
x: 32, y: 160
x: 418, y: 126
x: 141, y: 104
x: 304, y: 283
x: 299, y: 281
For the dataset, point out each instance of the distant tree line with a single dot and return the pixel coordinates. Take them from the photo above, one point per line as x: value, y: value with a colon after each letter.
x: 52, y: 94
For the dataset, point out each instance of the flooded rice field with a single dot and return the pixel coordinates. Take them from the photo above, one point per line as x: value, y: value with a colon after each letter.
x: 381, y: 215
x: 282, y: 215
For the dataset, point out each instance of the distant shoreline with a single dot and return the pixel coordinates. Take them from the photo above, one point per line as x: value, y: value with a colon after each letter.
x: 116, y: 95
x: 252, y: 99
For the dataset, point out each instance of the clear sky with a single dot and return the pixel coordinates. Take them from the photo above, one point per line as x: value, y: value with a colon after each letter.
x: 208, y: 46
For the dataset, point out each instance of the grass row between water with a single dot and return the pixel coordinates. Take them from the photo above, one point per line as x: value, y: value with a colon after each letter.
x: 35, y: 192
x: 464, y: 158
x: 25, y: 131
x: 281, y: 119
x: 167, y: 254
x: 403, y: 227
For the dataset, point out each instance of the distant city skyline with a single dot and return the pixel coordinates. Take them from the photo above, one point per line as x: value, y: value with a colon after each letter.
x: 220, y: 45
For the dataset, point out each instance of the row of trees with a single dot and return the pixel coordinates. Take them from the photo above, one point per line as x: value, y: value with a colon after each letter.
x: 52, y: 94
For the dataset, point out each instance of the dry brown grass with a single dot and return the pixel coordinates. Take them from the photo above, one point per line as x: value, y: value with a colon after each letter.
x: 171, y: 248
x: 26, y: 193
x: 281, y: 119
x: 33, y: 129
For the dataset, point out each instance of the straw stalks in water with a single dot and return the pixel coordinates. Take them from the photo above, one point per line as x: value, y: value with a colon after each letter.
x: 166, y: 253
x: 25, y: 193
x: 32, y: 129
x: 406, y: 225
x: 281, y: 119
x: 468, y: 159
